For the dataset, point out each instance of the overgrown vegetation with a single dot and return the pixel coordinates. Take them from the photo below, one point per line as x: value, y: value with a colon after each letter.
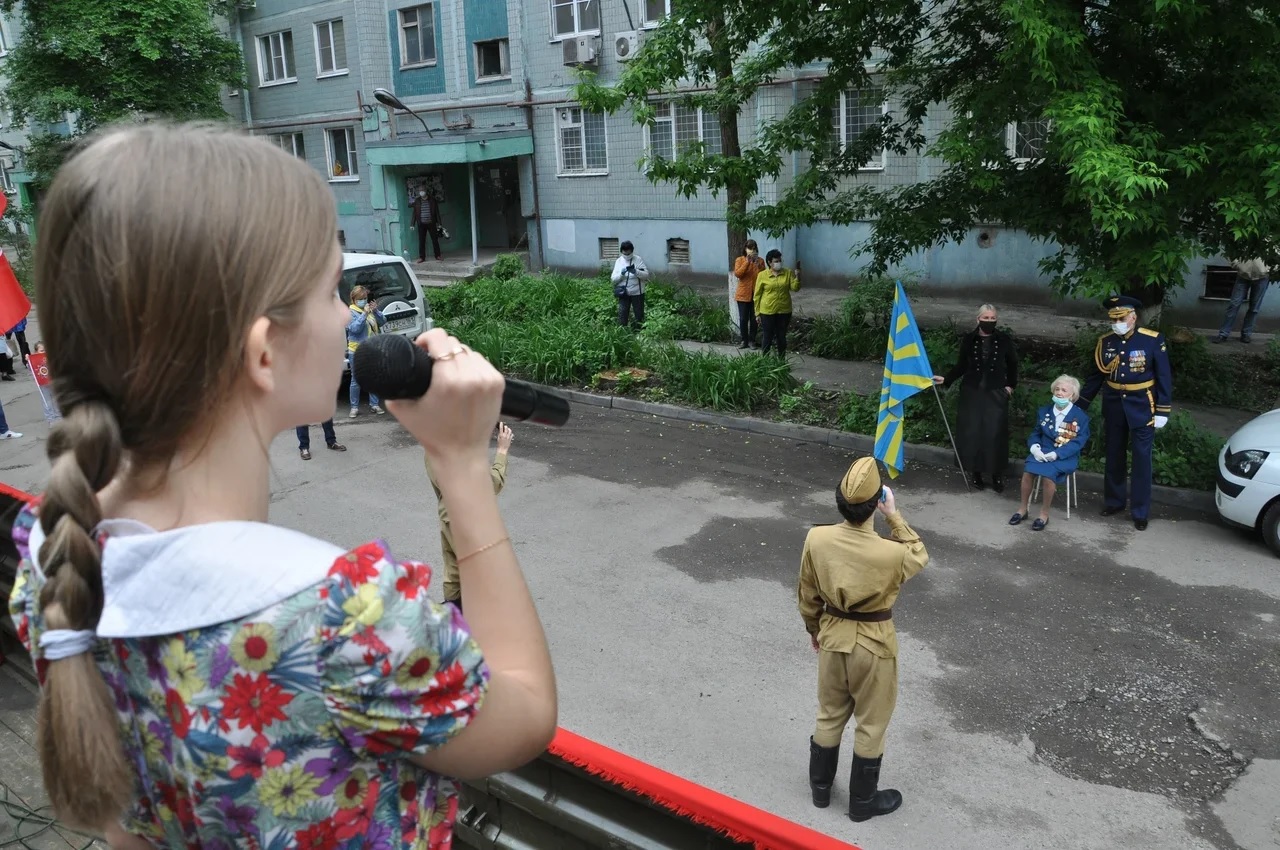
x: 562, y: 330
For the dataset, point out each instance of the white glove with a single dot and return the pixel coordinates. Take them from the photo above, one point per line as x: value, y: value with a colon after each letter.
x: 1036, y: 453
x: 1162, y: 421
x: 1051, y: 457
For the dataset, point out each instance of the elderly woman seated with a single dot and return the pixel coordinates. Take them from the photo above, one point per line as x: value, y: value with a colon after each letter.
x: 1059, y: 436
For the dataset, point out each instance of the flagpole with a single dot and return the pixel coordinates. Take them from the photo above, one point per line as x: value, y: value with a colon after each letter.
x: 951, y: 437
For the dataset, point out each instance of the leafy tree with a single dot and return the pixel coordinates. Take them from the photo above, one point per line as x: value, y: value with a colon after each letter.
x: 102, y: 61
x: 1154, y: 126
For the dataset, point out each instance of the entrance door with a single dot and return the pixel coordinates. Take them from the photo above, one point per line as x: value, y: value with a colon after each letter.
x: 498, y: 220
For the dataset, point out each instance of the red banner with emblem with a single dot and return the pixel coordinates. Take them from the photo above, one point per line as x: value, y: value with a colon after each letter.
x: 14, y: 304
x: 40, y: 368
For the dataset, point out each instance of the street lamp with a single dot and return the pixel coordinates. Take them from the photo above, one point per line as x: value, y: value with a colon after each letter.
x: 386, y: 98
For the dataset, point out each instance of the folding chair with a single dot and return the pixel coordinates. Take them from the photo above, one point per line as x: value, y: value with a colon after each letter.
x: 1073, y: 492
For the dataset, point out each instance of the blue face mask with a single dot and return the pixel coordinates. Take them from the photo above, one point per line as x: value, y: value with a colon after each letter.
x: 1061, y: 402
x: 361, y: 302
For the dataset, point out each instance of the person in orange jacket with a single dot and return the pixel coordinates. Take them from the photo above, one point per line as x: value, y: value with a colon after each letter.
x: 745, y: 269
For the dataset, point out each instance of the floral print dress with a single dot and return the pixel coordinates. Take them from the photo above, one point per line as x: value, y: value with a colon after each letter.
x: 287, y: 727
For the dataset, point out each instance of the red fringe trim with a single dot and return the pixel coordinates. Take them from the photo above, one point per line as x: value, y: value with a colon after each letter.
x: 733, y: 818
x: 15, y: 493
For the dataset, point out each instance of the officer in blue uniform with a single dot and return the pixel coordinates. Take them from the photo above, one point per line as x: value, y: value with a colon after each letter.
x: 1137, y: 391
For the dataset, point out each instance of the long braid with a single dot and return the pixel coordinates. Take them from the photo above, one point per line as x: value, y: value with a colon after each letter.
x: 85, y: 772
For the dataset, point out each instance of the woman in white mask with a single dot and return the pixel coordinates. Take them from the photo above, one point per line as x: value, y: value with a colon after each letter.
x: 774, y: 286
x: 1061, y: 431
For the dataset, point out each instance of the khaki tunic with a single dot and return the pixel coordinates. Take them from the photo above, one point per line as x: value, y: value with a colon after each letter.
x: 452, y: 586
x: 855, y: 569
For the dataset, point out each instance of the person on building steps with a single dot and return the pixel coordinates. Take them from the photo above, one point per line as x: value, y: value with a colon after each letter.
x: 1137, y: 396
x: 772, y: 298
x: 426, y: 217
x: 988, y: 373
x: 850, y: 577
x: 629, y: 277
x: 1061, y: 431
x: 746, y: 268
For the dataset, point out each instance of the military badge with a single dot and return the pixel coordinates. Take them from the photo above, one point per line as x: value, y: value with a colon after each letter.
x: 1067, y: 432
x: 1137, y: 361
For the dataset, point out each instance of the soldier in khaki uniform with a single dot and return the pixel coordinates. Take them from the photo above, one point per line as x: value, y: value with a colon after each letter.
x: 452, y: 587
x: 850, y: 577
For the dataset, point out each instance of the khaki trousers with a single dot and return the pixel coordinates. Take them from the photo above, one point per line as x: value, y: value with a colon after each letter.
x: 858, y: 684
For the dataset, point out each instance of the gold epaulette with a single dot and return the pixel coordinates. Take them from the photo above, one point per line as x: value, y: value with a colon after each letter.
x: 1148, y: 332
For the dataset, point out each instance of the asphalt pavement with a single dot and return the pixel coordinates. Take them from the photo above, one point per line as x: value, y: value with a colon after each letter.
x: 1087, y: 686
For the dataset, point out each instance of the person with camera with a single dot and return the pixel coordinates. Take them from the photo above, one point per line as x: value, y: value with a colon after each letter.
x: 746, y: 269
x: 850, y: 577
x: 772, y: 300
x: 629, y: 277
x: 241, y: 684
x: 365, y: 321
x: 425, y: 210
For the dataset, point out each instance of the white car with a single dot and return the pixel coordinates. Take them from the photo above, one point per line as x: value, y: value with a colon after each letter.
x: 392, y: 286
x: 1248, y: 492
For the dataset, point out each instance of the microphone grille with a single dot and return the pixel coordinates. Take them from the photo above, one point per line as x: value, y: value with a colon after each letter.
x: 383, y: 364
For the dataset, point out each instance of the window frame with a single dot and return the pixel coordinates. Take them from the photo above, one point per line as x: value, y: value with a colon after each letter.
x: 333, y: 48
x: 1011, y: 141
x: 578, y: 31
x: 504, y: 52
x: 4, y: 41
x: 353, y: 160
x: 6, y: 179
x: 670, y: 106
x: 581, y: 124
x: 404, y: 41
x: 297, y: 140
x: 288, y: 59
x: 648, y: 23
x: 843, y: 109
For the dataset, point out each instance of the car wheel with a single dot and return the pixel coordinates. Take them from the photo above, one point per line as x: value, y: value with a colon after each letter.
x: 1270, y: 526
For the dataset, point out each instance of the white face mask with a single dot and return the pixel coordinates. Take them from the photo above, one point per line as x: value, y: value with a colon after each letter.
x: 777, y: 265
x: 1120, y: 328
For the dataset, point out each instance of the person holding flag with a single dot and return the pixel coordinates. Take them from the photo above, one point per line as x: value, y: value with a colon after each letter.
x: 906, y: 372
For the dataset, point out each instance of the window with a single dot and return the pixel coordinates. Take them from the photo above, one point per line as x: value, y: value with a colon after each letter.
x: 1219, y: 281
x: 1025, y: 140
x: 678, y: 252
x: 4, y: 41
x: 493, y: 60
x: 417, y: 36
x: 340, y: 149
x: 582, y: 142
x: 655, y: 11
x: 275, y: 58
x: 857, y: 112
x: 6, y: 180
x: 675, y: 126
x: 572, y: 17
x: 290, y: 143
x: 609, y: 248
x: 331, y: 48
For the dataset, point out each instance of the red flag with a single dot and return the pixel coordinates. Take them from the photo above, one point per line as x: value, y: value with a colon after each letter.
x: 40, y: 368
x: 14, y: 304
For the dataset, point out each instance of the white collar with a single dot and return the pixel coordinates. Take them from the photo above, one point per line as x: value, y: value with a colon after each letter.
x: 1063, y: 412
x: 164, y: 582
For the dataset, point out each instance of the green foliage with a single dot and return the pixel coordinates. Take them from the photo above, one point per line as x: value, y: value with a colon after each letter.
x: 722, y: 382
x: 15, y: 229
x: 108, y: 60
x: 508, y: 267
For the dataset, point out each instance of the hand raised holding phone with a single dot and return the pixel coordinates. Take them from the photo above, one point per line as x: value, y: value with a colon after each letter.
x: 887, y: 504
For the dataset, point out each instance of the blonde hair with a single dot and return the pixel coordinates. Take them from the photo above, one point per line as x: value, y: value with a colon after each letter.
x: 1067, y: 381
x: 358, y: 290
x: 159, y: 247
x: 985, y: 307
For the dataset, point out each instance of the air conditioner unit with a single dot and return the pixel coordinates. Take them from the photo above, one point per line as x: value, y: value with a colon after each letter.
x: 579, y: 52
x: 246, y: 4
x: 625, y: 45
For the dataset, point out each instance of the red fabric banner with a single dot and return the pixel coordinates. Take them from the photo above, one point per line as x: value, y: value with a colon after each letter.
x: 14, y: 304
x: 40, y: 368
x: 730, y: 817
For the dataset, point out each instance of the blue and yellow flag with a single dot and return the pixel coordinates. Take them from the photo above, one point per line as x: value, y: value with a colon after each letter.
x: 906, y: 372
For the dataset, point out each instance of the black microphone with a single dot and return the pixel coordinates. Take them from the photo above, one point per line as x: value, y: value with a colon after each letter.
x: 390, y: 366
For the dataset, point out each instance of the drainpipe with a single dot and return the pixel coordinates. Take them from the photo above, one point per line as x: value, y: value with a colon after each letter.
x: 533, y: 170
x: 795, y: 160
x: 244, y: 91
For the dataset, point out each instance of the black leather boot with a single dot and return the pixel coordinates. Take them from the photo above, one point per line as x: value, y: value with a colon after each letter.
x: 823, y: 762
x: 865, y: 802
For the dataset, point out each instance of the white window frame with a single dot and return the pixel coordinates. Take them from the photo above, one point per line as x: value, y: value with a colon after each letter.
x: 1011, y: 141
x: 504, y: 48
x: 561, y: 124
x: 4, y: 41
x: 670, y: 120
x: 843, y: 112
x: 649, y: 23
x: 404, y: 42
x: 578, y: 29
x: 6, y: 179
x: 333, y: 49
x: 353, y: 176
x: 287, y: 59
x: 290, y: 142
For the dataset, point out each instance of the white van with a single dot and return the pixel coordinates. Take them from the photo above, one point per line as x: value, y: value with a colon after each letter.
x: 392, y: 286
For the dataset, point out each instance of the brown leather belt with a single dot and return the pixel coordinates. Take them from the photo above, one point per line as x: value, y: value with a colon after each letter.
x: 861, y: 616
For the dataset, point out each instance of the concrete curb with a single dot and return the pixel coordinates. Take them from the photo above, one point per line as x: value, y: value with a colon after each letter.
x: 929, y: 455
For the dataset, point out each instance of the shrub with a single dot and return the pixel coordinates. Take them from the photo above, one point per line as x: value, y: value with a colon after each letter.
x: 722, y: 382
x: 508, y: 267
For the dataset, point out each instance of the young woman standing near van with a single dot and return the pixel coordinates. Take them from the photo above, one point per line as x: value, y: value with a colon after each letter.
x: 241, y: 685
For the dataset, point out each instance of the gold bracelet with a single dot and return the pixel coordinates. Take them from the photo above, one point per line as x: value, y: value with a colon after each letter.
x: 485, y: 548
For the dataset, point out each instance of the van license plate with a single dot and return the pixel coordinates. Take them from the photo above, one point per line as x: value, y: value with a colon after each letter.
x: 399, y: 324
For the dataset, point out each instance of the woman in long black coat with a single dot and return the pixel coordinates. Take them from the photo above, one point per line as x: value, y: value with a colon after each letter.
x: 988, y: 373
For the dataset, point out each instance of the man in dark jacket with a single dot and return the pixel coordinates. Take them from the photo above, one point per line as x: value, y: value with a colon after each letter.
x: 426, y: 217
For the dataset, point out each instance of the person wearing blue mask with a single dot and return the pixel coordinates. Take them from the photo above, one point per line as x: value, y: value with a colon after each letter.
x: 366, y: 320
x: 1061, y: 431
